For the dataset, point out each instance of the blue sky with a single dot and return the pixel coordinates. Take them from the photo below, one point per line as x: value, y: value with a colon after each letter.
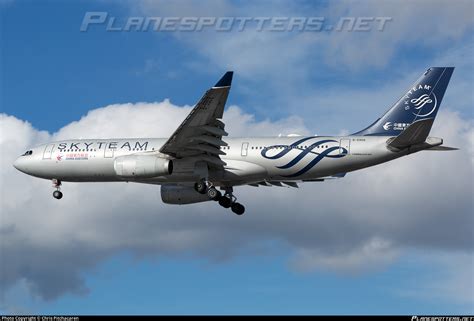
x: 325, y: 83
x: 259, y: 285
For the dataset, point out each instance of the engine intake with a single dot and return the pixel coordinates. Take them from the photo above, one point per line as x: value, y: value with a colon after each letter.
x: 175, y: 194
x: 142, y: 166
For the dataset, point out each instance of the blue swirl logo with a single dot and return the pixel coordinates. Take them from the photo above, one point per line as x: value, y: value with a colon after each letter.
x: 424, y: 105
x: 309, y: 150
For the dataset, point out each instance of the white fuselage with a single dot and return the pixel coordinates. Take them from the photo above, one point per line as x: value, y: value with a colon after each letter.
x: 248, y: 160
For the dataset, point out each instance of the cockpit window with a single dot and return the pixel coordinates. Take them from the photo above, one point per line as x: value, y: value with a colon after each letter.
x: 29, y: 152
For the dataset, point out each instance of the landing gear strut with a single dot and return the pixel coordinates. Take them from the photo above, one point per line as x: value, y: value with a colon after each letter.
x: 227, y: 200
x: 214, y: 194
x: 57, y: 193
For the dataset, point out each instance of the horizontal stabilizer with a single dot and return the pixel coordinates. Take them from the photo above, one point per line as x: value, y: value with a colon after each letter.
x: 414, y: 134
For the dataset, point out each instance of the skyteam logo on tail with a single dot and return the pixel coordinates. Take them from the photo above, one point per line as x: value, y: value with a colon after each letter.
x: 421, y: 101
x: 425, y: 105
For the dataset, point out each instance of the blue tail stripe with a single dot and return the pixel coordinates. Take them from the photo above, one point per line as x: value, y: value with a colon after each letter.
x: 305, y: 152
x: 317, y: 160
x: 284, y: 151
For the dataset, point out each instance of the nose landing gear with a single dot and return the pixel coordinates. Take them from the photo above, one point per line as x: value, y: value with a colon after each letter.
x: 57, y: 193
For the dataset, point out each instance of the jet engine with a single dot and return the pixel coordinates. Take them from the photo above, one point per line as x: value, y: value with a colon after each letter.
x: 175, y: 194
x: 141, y: 166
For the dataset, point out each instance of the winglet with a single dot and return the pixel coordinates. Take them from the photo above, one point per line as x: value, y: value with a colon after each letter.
x: 226, y: 80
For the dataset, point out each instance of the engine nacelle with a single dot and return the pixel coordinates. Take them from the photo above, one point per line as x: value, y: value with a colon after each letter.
x: 175, y: 194
x: 142, y: 166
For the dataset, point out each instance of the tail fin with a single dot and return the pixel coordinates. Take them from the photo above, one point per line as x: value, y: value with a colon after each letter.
x: 420, y: 102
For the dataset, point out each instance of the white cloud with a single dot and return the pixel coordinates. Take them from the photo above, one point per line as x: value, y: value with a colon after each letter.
x: 283, y: 70
x: 371, y: 254
x: 350, y: 225
x: 296, y: 54
x: 424, y: 24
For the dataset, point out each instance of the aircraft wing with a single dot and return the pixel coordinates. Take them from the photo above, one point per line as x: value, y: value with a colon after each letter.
x: 200, y: 135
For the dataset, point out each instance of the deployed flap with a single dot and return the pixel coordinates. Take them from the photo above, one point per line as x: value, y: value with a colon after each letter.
x: 443, y: 148
x: 200, y: 134
x: 274, y: 183
x: 416, y: 133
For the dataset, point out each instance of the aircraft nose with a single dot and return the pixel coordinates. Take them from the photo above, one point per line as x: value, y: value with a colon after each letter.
x: 19, y: 164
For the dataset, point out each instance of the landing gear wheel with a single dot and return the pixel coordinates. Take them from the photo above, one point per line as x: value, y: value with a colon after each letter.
x: 57, y: 195
x: 200, y: 187
x: 238, y: 208
x: 225, y: 202
x: 57, y: 185
x: 214, y: 194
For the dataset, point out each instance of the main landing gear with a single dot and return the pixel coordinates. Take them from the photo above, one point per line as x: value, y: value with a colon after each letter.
x: 57, y: 193
x: 227, y: 200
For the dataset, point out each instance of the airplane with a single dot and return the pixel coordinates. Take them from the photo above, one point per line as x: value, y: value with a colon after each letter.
x: 199, y: 158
